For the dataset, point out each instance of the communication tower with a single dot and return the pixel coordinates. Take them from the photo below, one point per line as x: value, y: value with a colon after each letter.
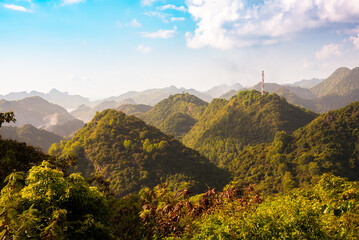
x: 262, y: 82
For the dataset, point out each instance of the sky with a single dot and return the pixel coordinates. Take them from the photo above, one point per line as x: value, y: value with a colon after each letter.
x: 102, y: 48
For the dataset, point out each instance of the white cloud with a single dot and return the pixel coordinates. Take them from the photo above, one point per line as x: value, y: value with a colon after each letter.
x: 355, y: 40
x: 147, y: 2
x: 134, y: 23
x: 179, y: 19
x: 16, y: 7
x: 157, y: 14
x: 69, y: 2
x: 143, y: 49
x: 160, y: 34
x: 236, y: 23
x: 327, y: 51
x: 173, y: 7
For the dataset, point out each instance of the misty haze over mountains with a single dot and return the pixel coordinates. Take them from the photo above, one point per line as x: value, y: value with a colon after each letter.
x: 148, y: 97
x: 62, y: 113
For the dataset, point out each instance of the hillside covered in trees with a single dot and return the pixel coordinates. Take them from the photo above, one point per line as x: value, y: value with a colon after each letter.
x: 31, y: 136
x: 303, y: 168
x: 248, y: 118
x: 330, y: 143
x: 176, y: 115
x: 131, y: 155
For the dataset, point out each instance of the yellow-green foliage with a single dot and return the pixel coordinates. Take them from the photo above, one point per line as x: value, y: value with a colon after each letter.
x: 328, y: 210
x: 327, y: 144
x: 175, y: 115
x: 247, y: 119
x: 46, y: 205
x: 132, y: 154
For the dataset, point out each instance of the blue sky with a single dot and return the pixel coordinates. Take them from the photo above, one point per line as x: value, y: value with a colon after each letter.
x: 100, y: 48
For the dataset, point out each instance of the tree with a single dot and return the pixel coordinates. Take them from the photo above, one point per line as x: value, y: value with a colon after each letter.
x: 46, y: 205
x: 7, y: 117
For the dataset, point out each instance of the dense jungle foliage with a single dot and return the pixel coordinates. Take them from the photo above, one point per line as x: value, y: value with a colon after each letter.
x: 44, y: 204
x: 175, y: 115
x: 330, y: 143
x: 248, y: 118
x: 140, y: 183
x: 132, y: 155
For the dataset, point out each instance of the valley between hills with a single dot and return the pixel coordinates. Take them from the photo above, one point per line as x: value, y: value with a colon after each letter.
x: 175, y: 163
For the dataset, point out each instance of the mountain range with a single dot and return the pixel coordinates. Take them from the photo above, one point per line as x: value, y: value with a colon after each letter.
x: 54, y: 96
x: 31, y: 136
x: 248, y: 118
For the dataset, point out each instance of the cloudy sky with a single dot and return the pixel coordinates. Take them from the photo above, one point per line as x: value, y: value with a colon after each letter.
x: 99, y: 48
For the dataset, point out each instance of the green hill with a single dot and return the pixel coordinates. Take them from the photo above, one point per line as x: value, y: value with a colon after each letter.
x: 330, y: 143
x: 133, y: 155
x: 31, y: 136
x: 16, y: 156
x: 333, y: 83
x: 322, y: 104
x: 247, y: 119
x: 134, y: 109
x: 175, y: 115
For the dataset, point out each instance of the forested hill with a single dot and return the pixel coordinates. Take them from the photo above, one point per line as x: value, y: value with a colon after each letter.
x: 332, y: 85
x: 16, y: 156
x: 176, y: 115
x: 246, y: 119
x: 330, y: 143
x: 31, y: 136
x: 133, y: 155
x: 134, y: 109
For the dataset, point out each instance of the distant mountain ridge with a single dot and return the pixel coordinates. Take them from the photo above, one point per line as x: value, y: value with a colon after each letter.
x: 307, y: 83
x: 338, y: 90
x: 217, y: 91
x: 31, y: 136
x: 333, y: 83
x: 153, y: 96
x: 36, y: 111
x: 63, y: 99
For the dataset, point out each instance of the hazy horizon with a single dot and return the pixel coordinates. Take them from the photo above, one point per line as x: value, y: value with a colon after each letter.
x: 102, y: 48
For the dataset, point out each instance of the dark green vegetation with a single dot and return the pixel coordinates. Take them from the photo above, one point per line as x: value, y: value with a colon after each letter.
x: 7, y: 117
x: 31, y: 136
x: 44, y: 204
x: 247, y: 119
x: 330, y: 143
x: 303, y: 167
x: 175, y: 115
x: 132, y: 155
x: 329, y: 210
x: 15, y: 156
